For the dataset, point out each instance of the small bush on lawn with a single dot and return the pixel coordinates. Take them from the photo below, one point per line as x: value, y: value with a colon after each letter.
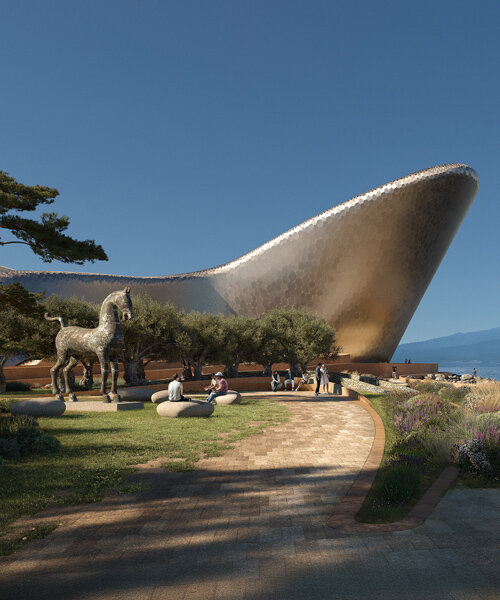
x: 5, y: 404
x: 9, y: 448
x: 12, y: 424
x: 400, y: 483
x: 20, y: 435
x: 46, y: 444
x: 17, y: 386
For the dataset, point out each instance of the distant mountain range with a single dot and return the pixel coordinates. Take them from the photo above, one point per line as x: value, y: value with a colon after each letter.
x: 474, y: 347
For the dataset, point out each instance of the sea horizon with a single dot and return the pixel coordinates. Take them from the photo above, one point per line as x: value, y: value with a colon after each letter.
x: 461, y: 368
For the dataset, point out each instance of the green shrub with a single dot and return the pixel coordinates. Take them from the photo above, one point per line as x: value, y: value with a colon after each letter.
x: 11, y: 425
x: 427, y: 387
x: 453, y: 394
x: 46, y: 444
x: 26, y: 439
x: 407, y: 445
x: 493, y: 417
x: 9, y: 448
x: 17, y: 386
x: 438, y: 445
x: 20, y: 435
x: 400, y: 484
x: 5, y: 404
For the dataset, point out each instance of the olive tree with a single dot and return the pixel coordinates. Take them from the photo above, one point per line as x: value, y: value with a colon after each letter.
x: 20, y: 312
x: 241, y: 340
x: 200, y: 339
x: 150, y: 335
x: 294, y: 337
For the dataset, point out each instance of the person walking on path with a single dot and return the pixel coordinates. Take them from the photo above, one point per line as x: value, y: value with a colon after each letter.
x: 394, y: 372
x: 220, y: 390
x: 317, y: 374
x: 325, y: 379
x: 176, y: 390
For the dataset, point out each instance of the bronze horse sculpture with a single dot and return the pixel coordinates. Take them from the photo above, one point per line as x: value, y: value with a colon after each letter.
x: 105, y: 341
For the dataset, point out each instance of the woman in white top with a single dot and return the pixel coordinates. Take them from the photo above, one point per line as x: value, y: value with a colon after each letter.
x: 325, y: 380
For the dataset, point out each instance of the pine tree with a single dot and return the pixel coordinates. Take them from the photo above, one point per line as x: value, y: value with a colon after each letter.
x: 44, y: 235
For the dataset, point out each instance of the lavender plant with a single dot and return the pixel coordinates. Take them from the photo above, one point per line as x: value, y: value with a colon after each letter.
x: 421, y: 412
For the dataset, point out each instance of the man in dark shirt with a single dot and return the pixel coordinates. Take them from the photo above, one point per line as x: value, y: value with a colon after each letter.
x: 317, y: 374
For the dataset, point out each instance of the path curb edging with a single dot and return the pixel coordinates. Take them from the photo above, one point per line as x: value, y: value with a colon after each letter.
x: 343, y: 516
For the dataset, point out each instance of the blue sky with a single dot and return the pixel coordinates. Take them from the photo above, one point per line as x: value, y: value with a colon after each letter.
x: 160, y: 122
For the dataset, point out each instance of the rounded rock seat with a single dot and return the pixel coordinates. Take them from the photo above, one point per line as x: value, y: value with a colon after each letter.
x: 193, y: 408
x: 39, y: 408
x: 160, y: 396
x: 135, y: 394
x: 231, y: 397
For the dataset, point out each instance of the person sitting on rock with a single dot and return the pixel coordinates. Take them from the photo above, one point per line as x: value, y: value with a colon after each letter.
x: 275, y: 381
x: 213, y: 383
x: 304, y: 379
x: 220, y: 389
x: 176, y: 390
x: 289, y: 379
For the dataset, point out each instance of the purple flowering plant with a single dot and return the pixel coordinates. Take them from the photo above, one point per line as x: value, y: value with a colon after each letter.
x: 417, y: 414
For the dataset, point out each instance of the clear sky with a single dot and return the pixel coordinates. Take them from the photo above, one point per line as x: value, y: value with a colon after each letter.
x: 161, y: 121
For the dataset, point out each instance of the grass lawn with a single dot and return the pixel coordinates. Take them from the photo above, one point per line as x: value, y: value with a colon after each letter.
x: 98, y: 449
x: 373, y: 509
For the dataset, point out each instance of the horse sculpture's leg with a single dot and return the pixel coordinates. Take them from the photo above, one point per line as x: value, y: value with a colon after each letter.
x: 71, y: 364
x: 54, y: 371
x: 104, y: 361
x: 113, y: 394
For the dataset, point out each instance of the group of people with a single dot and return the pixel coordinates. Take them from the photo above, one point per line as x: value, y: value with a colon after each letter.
x: 322, y: 379
x: 218, y: 387
x: 276, y: 381
x: 321, y: 375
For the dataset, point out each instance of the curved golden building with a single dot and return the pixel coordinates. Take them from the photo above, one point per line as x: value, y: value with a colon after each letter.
x: 363, y: 265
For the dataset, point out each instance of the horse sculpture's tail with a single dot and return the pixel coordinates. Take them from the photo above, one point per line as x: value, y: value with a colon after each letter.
x: 60, y: 319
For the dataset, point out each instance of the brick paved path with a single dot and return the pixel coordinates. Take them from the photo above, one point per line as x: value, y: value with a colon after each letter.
x: 251, y: 525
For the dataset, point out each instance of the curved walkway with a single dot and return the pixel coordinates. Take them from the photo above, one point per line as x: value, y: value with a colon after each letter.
x: 252, y: 524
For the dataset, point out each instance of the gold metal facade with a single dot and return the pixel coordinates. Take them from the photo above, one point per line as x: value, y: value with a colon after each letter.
x: 363, y: 265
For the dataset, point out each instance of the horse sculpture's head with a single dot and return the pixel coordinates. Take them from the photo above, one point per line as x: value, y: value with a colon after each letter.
x: 124, y: 303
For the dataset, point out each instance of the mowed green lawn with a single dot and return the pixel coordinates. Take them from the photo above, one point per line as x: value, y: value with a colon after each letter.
x: 98, y: 449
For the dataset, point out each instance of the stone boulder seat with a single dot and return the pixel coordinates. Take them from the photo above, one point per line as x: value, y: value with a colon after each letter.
x: 38, y: 407
x: 231, y: 397
x: 160, y: 396
x: 193, y: 408
x: 135, y: 394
